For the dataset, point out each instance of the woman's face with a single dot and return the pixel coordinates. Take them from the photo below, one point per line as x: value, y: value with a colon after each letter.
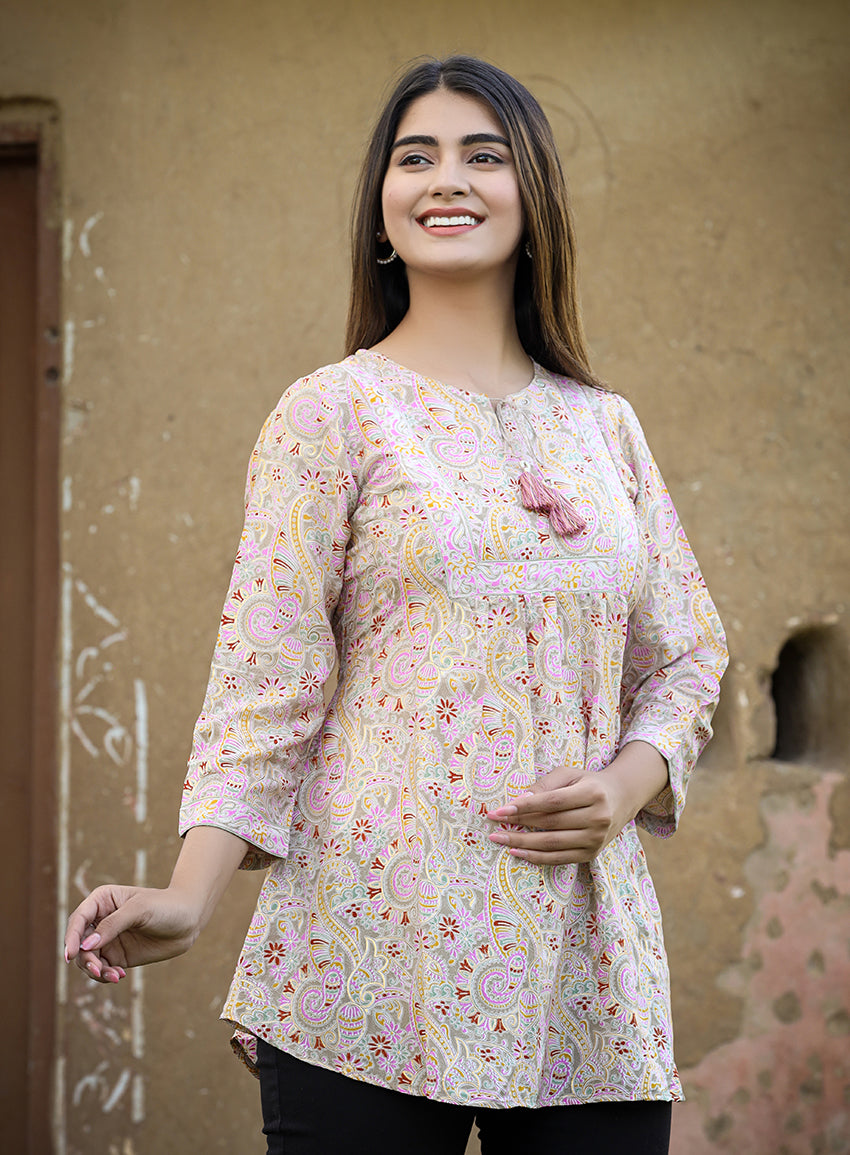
x: 450, y: 198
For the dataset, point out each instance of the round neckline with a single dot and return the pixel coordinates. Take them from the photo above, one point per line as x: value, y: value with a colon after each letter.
x: 492, y: 402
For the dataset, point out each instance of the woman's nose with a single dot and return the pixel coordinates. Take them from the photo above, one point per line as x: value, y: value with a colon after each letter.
x: 449, y: 179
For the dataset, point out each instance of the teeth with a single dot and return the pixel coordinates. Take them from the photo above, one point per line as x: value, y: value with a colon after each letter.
x: 447, y: 222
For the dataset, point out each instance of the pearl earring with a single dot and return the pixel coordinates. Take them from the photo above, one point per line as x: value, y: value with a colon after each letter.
x: 385, y: 260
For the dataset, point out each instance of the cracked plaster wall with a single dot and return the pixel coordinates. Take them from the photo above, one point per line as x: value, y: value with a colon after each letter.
x: 209, y: 152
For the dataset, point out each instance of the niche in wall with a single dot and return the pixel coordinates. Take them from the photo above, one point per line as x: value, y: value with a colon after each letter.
x: 810, y: 688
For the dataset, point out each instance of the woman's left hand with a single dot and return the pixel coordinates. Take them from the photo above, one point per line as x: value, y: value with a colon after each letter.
x: 568, y: 815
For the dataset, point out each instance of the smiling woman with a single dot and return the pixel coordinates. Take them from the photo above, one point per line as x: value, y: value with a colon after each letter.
x: 457, y: 923
x: 545, y: 292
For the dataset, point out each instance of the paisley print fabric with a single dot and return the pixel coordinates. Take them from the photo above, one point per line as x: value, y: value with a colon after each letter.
x: 477, y: 650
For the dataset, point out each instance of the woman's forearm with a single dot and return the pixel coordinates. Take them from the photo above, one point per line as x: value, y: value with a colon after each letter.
x: 207, y: 862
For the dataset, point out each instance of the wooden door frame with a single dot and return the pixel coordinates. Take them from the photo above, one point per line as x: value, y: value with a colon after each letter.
x: 33, y: 127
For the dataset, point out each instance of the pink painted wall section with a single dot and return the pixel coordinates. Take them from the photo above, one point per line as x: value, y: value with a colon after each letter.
x: 783, y: 1086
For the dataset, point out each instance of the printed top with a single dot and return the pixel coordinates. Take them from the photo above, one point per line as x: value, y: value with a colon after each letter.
x: 477, y: 649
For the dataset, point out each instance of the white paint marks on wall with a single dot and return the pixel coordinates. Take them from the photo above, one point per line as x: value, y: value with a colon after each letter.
x: 137, y: 976
x: 80, y: 883
x: 69, y: 337
x: 101, y: 276
x: 137, y: 998
x: 117, y: 1091
x: 64, y: 776
x: 62, y: 849
x: 89, y: 1082
x: 117, y: 741
x: 67, y: 247
x: 96, y: 1083
x: 116, y: 1085
x: 94, y: 1016
x: 60, y: 1142
x: 67, y: 494
x: 141, y: 752
x: 95, y: 606
x: 135, y: 488
x: 137, y: 1110
x: 137, y: 981
x: 85, y: 232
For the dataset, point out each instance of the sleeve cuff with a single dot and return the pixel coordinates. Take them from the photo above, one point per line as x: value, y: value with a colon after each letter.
x: 265, y: 843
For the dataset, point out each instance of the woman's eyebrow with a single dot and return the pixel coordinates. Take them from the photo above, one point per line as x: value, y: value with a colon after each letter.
x: 485, y: 138
x: 404, y: 141
x: 471, y: 138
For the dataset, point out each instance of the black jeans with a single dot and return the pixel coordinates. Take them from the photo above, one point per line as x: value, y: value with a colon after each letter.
x: 310, y: 1111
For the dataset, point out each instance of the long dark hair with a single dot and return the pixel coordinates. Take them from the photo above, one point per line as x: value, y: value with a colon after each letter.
x: 545, y: 290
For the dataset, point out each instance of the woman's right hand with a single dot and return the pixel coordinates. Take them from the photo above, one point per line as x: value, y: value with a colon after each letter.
x: 127, y: 926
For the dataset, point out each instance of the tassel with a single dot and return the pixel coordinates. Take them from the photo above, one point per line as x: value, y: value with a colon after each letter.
x: 565, y: 519
x: 538, y: 497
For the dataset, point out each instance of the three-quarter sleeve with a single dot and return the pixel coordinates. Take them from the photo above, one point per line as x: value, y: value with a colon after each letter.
x: 675, y: 651
x: 276, y: 646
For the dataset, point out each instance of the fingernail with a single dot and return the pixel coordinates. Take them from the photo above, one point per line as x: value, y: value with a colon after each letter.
x: 519, y: 854
x: 498, y: 836
x: 93, y: 968
x: 121, y: 972
x: 503, y: 811
x: 91, y: 942
x: 66, y: 955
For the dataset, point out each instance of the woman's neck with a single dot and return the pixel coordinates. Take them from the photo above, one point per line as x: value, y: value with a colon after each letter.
x: 462, y: 333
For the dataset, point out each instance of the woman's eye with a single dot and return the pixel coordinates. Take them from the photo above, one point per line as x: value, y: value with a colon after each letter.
x: 487, y: 158
x: 413, y: 161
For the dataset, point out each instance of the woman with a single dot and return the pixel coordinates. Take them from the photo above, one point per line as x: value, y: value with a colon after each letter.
x: 457, y: 920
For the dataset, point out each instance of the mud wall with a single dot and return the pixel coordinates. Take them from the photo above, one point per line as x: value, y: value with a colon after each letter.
x: 208, y: 157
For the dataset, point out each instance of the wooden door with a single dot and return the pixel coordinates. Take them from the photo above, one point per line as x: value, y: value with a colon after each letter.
x: 29, y: 583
